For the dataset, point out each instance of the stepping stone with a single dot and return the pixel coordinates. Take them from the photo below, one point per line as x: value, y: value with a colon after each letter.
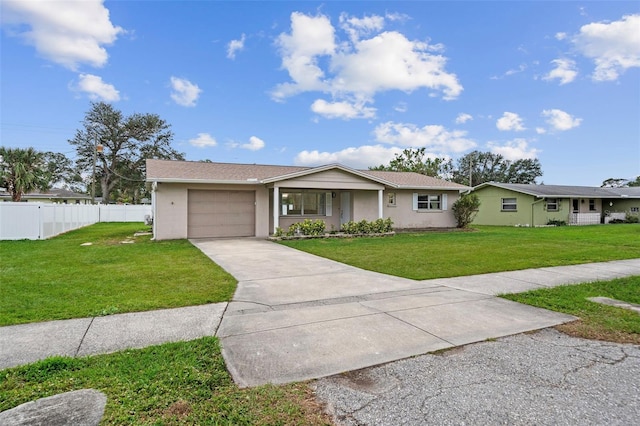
x: 616, y: 303
x: 82, y: 407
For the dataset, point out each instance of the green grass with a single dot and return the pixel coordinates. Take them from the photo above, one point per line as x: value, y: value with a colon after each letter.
x: 175, y: 383
x: 597, y: 321
x: 430, y: 255
x: 59, y: 279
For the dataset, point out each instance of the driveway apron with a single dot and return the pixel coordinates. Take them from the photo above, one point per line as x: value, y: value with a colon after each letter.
x: 296, y: 316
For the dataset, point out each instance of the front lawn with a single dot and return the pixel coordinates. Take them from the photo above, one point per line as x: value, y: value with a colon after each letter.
x: 59, y: 278
x: 175, y: 383
x: 422, y: 256
x: 597, y: 321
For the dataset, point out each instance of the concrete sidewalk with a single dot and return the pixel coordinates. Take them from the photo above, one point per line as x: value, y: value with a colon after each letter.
x: 26, y: 343
x: 296, y: 316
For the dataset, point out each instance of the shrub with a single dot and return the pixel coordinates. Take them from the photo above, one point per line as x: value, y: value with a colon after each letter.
x: 307, y: 227
x: 465, y: 209
x: 363, y: 227
x: 556, y: 222
x: 378, y: 226
x: 350, y: 227
x: 632, y: 218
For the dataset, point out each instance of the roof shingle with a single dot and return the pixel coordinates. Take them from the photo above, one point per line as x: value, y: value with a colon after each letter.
x: 170, y: 170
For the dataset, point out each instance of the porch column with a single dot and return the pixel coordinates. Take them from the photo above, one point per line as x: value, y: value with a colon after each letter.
x: 276, y: 207
x: 380, y: 203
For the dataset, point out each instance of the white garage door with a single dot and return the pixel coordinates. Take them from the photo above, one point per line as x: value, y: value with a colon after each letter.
x: 221, y: 214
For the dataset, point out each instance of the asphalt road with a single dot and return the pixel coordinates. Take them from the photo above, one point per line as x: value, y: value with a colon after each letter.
x: 540, y: 378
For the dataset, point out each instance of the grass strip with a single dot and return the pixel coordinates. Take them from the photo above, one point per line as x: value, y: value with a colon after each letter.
x: 429, y: 255
x: 60, y: 278
x: 175, y: 383
x: 597, y: 321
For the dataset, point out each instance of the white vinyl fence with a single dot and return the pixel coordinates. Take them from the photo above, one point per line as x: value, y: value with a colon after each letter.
x: 39, y: 221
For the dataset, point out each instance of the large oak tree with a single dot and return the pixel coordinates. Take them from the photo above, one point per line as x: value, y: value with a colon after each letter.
x: 126, y: 142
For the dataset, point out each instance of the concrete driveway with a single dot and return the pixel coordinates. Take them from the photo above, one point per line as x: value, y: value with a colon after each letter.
x: 296, y: 316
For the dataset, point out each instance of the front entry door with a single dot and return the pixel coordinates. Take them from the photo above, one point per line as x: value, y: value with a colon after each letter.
x: 576, y: 205
x: 345, y: 207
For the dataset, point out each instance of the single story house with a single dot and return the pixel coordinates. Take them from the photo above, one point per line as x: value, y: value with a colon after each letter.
x: 204, y: 200
x: 53, y: 195
x: 535, y: 205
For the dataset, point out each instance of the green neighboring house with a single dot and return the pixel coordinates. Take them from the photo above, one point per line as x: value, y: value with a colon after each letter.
x: 534, y: 205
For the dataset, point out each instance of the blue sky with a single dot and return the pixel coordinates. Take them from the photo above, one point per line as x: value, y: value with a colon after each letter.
x: 310, y: 83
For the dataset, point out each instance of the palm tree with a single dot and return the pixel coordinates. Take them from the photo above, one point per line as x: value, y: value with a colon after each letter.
x: 22, y: 171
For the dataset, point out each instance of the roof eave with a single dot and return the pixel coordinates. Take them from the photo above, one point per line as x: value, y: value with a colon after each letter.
x: 209, y: 181
x: 324, y: 168
x: 434, y: 188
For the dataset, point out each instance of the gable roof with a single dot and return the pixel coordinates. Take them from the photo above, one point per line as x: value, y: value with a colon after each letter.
x: 205, y: 172
x: 565, y: 191
x: 53, y: 193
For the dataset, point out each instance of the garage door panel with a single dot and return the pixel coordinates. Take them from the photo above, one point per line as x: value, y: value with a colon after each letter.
x: 221, y: 214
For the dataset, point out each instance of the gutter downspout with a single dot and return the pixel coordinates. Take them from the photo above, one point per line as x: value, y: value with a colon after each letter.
x: 154, y: 216
x: 276, y: 208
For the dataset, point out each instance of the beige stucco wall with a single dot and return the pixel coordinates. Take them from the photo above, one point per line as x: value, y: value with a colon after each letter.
x: 170, y: 215
x: 404, y: 217
x: 171, y: 202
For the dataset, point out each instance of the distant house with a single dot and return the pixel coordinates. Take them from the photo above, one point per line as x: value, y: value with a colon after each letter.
x: 54, y: 195
x: 205, y: 200
x: 534, y: 205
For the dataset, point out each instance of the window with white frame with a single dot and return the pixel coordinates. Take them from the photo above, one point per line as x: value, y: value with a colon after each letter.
x: 391, y: 199
x: 429, y: 202
x: 509, y: 204
x: 592, y: 205
x: 304, y: 203
x: 552, y: 204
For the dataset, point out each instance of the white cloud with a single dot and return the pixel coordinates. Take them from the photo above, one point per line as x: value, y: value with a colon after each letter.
x: 614, y: 46
x: 367, y: 63
x: 254, y: 144
x: 516, y: 149
x: 560, y: 120
x: 361, y: 157
x: 561, y: 36
x: 390, y: 61
x: 510, y: 121
x: 235, y: 46
x: 512, y: 71
x: 433, y: 137
x: 310, y: 37
x: 401, y: 107
x: 344, y: 110
x: 97, y: 89
x: 565, y: 71
x: 541, y: 130
x: 358, y: 27
x: 203, y: 140
x: 69, y: 33
x: 463, y: 117
x: 184, y: 93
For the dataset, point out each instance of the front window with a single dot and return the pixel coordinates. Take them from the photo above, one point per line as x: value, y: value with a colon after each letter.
x: 552, y: 204
x: 429, y: 202
x: 509, y: 204
x: 391, y: 199
x: 303, y: 203
x: 592, y: 205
